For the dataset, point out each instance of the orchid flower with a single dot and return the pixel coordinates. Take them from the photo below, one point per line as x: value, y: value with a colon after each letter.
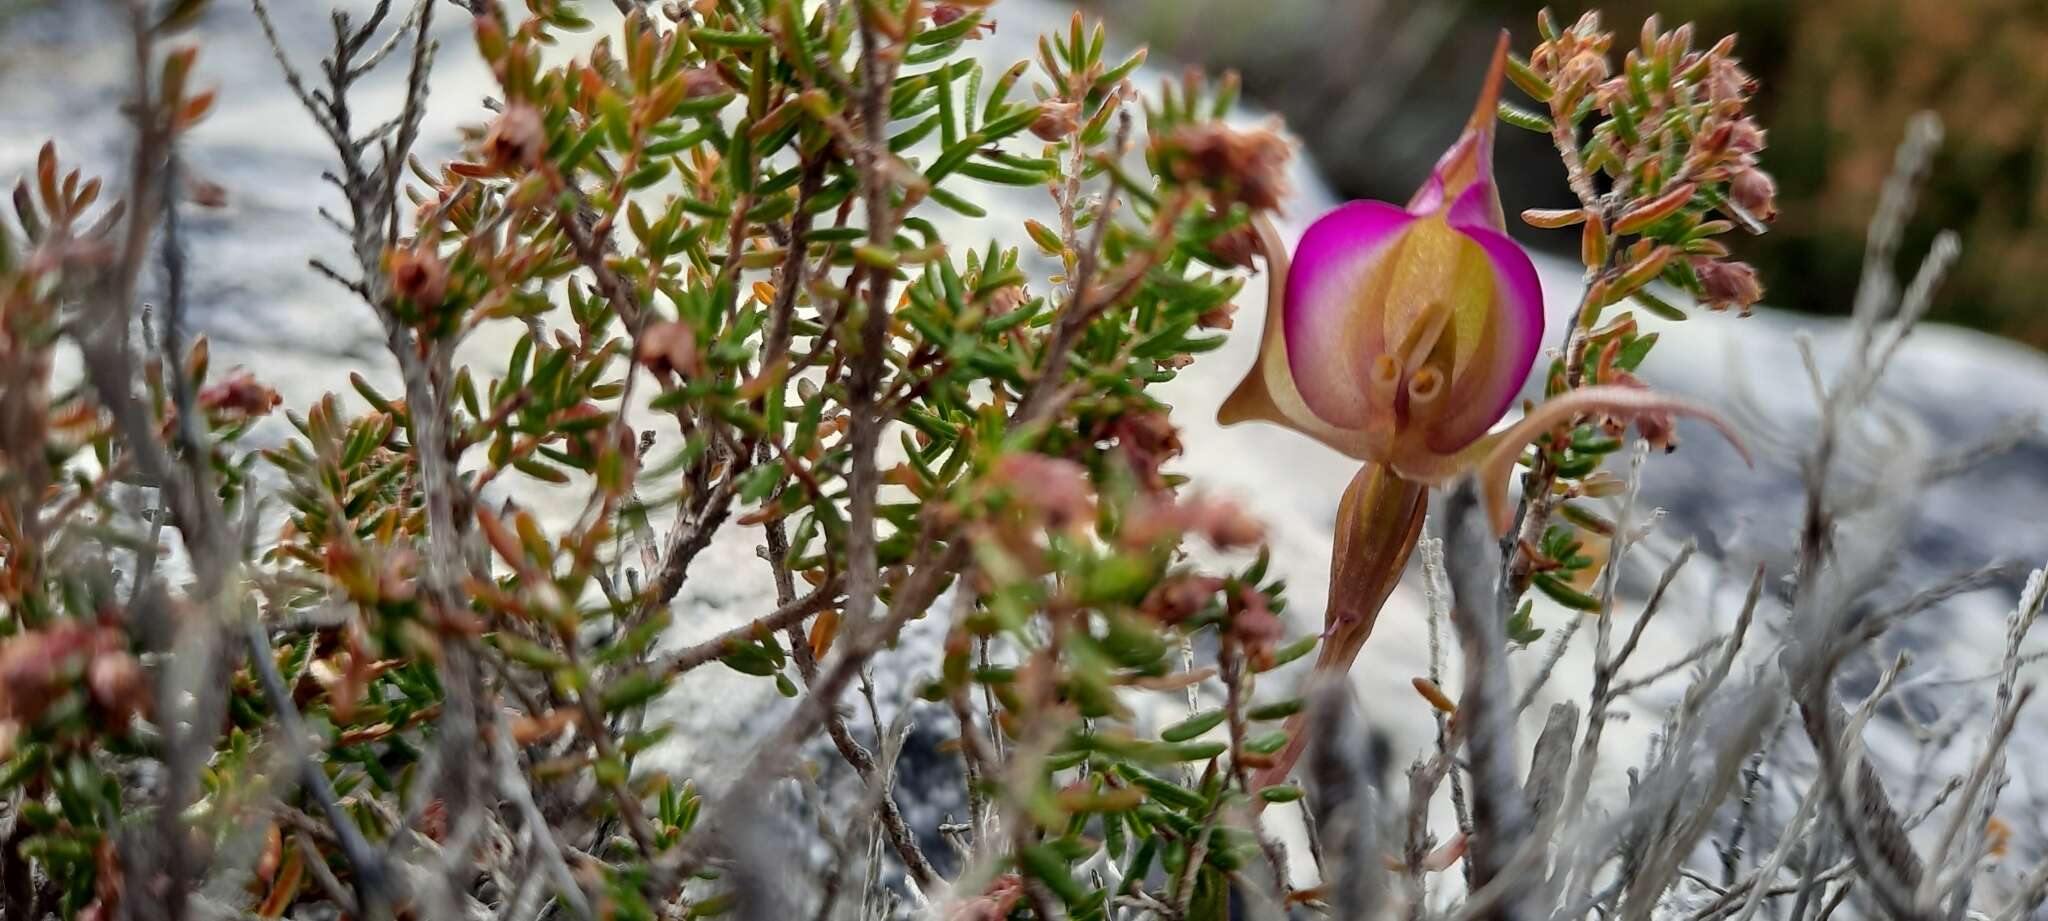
x: 1399, y: 337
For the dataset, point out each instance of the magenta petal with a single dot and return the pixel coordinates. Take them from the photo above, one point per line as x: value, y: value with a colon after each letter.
x: 1430, y: 197
x: 1483, y: 393
x: 1331, y: 335
x: 1476, y: 208
x: 1468, y: 162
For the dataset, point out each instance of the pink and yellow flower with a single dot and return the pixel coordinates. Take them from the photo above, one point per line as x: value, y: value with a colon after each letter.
x: 1400, y: 335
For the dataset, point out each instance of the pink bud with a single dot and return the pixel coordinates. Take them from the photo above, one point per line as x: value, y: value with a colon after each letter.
x: 1236, y: 246
x: 1746, y: 137
x: 1180, y: 598
x: 1754, y: 191
x: 1253, y: 624
x: 1055, y: 487
x: 1728, y: 284
x: 517, y: 138
x: 118, y: 686
x: 699, y: 82
x: 1238, y: 166
x: 667, y: 348
x: 1056, y: 120
x: 239, y: 393
x: 420, y: 276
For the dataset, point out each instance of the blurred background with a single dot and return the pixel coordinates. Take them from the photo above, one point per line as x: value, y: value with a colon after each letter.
x: 1376, y: 88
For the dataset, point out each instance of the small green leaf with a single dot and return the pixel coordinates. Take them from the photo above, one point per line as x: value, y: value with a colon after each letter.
x: 737, y: 40
x: 1192, y: 726
x: 1658, y: 307
x: 1291, y: 652
x: 1278, y: 710
x: 632, y: 689
x: 1564, y: 594
x: 1192, y: 751
x: 1267, y: 743
x: 1524, y: 119
x: 1046, y: 864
